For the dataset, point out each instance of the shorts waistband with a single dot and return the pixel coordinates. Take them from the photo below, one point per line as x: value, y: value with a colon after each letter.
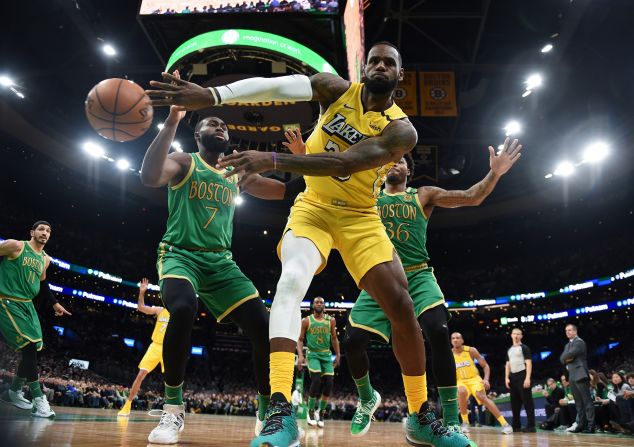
x: 11, y: 298
x: 412, y: 268
x: 317, y: 351
x: 195, y: 248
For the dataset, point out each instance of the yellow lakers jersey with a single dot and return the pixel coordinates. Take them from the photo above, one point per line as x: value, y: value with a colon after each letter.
x: 161, y: 325
x: 465, y: 366
x: 343, y: 124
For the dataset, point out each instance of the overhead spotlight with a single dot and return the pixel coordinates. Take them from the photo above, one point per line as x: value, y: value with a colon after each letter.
x: 93, y: 149
x: 265, y: 232
x: 533, y: 81
x: 239, y: 200
x: 564, y: 169
x: 526, y: 93
x: 123, y: 164
x: 6, y: 81
x: 109, y: 50
x: 160, y: 126
x: 500, y: 148
x: 512, y: 128
x: 177, y: 146
x: 548, y: 176
x: 596, y: 152
x: 546, y: 48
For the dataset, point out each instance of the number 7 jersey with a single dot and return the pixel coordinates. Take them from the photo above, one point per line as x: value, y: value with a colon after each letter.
x: 343, y: 124
x: 406, y: 225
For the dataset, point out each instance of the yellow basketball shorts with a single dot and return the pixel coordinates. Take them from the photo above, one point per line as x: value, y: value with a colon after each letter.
x: 359, y: 236
x: 473, y: 386
x: 152, y: 358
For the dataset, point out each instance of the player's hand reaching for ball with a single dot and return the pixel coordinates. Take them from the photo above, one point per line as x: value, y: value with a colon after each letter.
x: 59, y: 310
x: 178, y: 92
x: 143, y: 285
x: 247, y: 163
x: 177, y: 113
x: 294, y: 142
x: 502, y: 162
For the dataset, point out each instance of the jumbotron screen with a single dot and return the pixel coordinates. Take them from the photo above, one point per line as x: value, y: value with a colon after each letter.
x: 153, y: 7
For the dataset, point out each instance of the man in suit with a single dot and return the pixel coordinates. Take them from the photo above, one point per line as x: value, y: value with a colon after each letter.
x: 574, y: 358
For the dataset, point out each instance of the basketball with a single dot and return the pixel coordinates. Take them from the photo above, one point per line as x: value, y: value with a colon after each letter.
x: 119, y: 109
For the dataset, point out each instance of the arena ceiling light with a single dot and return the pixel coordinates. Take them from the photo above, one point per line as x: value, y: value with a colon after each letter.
x: 93, y: 149
x: 177, y: 146
x: 512, y: 128
x: 160, y: 126
x: 123, y: 164
x: 6, y: 81
x: 239, y: 200
x: 533, y: 81
x: 547, y: 48
x: 596, y: 152
x: 564, y: 169
x: 109, y: 50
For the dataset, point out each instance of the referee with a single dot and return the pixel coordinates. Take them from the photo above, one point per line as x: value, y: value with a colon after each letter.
x: 518, y: 379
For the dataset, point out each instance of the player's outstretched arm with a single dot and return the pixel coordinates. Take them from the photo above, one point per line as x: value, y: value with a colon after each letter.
x: 322, y: 87
x: 10, y: 248
x: 263, y: 187
x: 141, y: 307
x: 474, y: 196
x: 398, y: 138
x: 159, y: 168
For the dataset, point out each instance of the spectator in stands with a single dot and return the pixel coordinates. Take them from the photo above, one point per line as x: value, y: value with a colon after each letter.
x: 599, y: 394
x: 553, y: 395
x: 623, y: 414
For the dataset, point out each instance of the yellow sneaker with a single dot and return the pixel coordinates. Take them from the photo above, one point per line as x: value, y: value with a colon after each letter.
x: 125, y: 410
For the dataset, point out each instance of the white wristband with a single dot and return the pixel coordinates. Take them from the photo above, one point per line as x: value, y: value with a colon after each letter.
x: 283, y: 88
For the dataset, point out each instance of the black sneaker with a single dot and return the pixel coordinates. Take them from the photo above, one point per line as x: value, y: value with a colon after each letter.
x: 528, y: 430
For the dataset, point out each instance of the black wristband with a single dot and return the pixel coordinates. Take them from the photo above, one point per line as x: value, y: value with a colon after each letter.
x: 46, y: 294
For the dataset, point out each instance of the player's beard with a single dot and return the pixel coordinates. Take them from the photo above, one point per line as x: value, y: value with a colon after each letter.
x: 213, y: 144
x: 380, y: 86
x: 393, y: 179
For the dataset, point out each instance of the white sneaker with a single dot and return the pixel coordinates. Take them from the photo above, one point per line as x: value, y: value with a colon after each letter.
x: 573, y: 427
x: 171, y: 424
x: 320, y: 421
x: 465, y: 427
x: 312, y: 419
x: 507, y: 429
x: 17, y: 399
x: 259, y: 425
x: 41, y: 408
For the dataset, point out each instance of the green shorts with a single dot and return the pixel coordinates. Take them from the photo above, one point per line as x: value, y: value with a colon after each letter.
x: 217, y: 280
x: 20, y: 324
x: 366, y: 314
x: 320, y: 363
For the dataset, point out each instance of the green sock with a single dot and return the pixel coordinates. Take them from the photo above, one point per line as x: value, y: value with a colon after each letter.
x: 263, y: 405
x: 449, y: 401
x: 174, y: 394
x: 311, y: 403
x: 322, y: 404
x: 36, y: 391
x: 17, y: 383
x: 364, y: 388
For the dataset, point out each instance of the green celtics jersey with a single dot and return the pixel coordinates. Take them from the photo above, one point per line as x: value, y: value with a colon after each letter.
x: 318, y: 334
x: 406, y: 225
x: 201, y: 208
x: 20, y: 277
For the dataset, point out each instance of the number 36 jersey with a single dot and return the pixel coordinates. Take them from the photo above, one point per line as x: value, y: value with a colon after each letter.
x: 343, y: 124
x: 406, y: 225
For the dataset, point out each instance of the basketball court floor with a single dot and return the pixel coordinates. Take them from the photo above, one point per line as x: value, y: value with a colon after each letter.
x: 95, y: 427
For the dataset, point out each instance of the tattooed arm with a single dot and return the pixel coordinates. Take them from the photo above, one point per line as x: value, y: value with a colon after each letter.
x: 431, y: 196
x: 398, y: 138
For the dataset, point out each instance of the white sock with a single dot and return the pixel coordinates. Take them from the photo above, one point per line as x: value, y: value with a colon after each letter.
x: 300, y: 261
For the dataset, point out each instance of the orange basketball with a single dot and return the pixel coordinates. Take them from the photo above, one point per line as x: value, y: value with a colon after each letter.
x: 119, y: 109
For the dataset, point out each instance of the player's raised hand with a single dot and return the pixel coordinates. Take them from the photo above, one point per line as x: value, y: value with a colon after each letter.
x: 502, y: 162
x: 294, y: 142
x: 177, y: 113
x: 59, y: 310
x: 178, y: 92
x: 143, y: 285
